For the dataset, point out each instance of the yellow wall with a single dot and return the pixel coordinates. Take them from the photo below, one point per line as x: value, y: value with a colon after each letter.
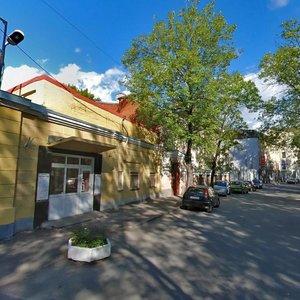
x: 21, y: 135
x: 125, y: 157
x: 10, y: 122
x: 60, y: 100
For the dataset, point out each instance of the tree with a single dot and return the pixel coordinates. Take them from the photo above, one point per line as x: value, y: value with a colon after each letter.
x: 229, y: 93
x: 282, y: 113
x: 172, y: 73
x: 85, y: 93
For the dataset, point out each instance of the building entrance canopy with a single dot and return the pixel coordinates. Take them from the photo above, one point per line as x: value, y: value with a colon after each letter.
x: 76, y: 143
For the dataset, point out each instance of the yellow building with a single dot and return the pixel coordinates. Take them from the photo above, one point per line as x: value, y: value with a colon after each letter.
x: 62, y: 154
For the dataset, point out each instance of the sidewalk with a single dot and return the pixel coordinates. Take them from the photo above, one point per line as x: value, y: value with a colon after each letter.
x: 32, y: 258
x: 123, y: 217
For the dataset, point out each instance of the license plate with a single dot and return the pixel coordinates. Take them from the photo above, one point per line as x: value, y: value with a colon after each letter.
x: 194, y: 197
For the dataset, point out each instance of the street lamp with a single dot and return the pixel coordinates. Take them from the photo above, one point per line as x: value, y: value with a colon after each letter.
x: 13, y: 39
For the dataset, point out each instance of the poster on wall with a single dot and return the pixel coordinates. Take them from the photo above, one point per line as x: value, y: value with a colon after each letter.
x: 43, y: 186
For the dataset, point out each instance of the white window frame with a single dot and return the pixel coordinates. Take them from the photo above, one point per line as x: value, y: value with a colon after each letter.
x: 120, y: 180
x: 81, y: 169
x: 134, y: 181
x: 153, y: 181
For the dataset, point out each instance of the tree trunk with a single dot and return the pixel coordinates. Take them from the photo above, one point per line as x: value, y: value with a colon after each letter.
x: 188, y: 163
x: 213, y: 172
x: 214, y: 164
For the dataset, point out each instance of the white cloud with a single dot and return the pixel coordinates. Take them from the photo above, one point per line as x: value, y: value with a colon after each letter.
x: 279, y: 3
x: 103, y: 85
x: 266, y: 92
x: 42, y: 61
x: 250, y: 118
x: 14, y: 76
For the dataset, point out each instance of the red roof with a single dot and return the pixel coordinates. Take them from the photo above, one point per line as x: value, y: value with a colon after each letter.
x: 122, y: 108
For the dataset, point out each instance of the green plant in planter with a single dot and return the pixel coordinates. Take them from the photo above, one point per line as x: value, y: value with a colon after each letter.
x: 88, y: 238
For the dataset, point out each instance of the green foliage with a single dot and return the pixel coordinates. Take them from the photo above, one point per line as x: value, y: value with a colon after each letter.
x: 282, y: 68
x: 179, y: 75
x: 88, y: 238
x: 85, y: 93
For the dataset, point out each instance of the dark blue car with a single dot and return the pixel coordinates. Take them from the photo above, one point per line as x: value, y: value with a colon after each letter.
x: 201, y: 197
x: 257, y: 183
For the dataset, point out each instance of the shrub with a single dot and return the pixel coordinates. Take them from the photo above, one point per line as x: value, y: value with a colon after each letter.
x: 88, y: 238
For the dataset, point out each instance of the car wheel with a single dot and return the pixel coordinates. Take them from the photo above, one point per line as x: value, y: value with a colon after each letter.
x: 183, y: 207
x: 210, y: 208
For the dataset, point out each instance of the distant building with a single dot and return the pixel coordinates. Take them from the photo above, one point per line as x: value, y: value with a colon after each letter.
x: 281, y: 164
x: 245, y: 159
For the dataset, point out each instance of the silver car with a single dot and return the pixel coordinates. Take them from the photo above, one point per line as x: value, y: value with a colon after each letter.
x: 222, y: 187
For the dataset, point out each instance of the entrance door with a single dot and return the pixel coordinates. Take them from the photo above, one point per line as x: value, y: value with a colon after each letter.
x: 85, y: 201
x: 71, y: 186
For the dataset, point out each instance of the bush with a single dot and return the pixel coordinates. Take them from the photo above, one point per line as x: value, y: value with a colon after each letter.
x: 88, y: 238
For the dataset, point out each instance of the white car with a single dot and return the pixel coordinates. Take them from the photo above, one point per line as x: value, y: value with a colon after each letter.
x: 222, y: 187
x: 292, y: 180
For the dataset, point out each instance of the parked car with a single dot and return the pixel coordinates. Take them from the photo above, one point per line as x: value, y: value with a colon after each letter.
x: 292, y: 180
x: 200, y: 196
x: 250, y: 186
x: 238, y: 186
x: 222, y: 187
x: 257, y: 183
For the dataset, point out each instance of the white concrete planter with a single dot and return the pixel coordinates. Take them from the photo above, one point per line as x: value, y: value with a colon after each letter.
x: 88, y: 254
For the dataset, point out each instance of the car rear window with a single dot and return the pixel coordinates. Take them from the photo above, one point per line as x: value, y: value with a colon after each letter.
x: 236, y: 182
x: 196, y: 190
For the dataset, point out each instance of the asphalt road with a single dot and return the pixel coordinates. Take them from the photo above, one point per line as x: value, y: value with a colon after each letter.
x: 249, y: 248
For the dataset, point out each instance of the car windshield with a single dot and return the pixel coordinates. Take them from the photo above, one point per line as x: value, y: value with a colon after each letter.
x: 193, y: 189
x: 221, y: 183
x: 235, y: 182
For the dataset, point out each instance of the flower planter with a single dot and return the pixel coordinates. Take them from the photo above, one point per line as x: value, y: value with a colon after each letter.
x: 88, y: 254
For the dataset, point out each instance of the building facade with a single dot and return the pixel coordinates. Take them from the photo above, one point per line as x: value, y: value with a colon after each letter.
x: 63, y: 155
x: 280, y: 164
x: 245, y: 159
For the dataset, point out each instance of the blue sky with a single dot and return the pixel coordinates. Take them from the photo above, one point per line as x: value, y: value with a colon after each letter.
x: 90, y: 54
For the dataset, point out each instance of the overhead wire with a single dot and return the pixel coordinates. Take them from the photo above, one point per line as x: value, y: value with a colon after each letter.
x: 80, y: 31
x: 60, y: 83
x: 84, y: 35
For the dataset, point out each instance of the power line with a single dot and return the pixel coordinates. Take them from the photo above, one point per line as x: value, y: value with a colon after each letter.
x: 80, y: 31
x: 61, y: 84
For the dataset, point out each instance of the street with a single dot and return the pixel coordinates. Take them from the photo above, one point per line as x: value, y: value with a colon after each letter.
x: 249, y: 248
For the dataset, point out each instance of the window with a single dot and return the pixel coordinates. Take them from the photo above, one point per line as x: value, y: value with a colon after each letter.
x: 70, y: 174
x: 72, y: 181
x: 152, y: 180
x: 134, y: 181
x: 58, y: 159
x: 57, y: 181
x: 85, y: 184
x: 73, y: 160
x: 120, y: 180
x: 86, y: 161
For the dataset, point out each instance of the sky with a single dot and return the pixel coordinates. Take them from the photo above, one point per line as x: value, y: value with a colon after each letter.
x: 82, y: 42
